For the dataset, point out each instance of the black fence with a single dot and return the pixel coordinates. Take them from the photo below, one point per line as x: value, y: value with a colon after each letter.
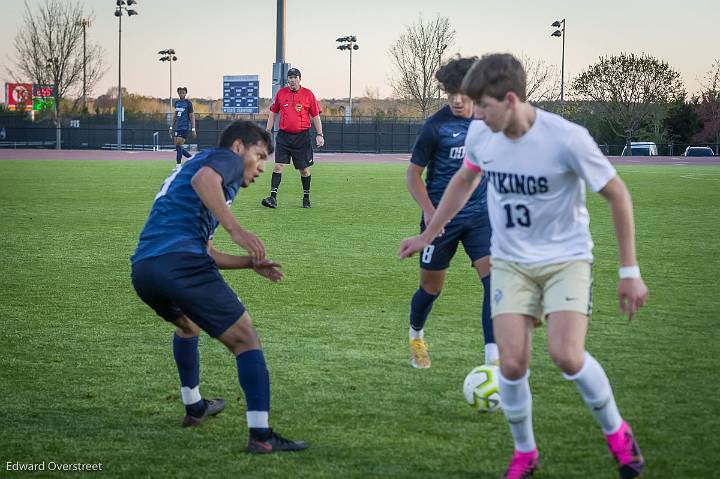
x: 363, y: 135
x: 359, y: 135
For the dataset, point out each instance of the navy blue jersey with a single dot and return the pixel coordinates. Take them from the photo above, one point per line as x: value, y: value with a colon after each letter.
x: 179, y: 222
x: 183, y: 110
x: 440, y: 147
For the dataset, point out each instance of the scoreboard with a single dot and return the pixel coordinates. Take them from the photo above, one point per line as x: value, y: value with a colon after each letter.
x: 21, y: 96
x: 241, y: 94
x: 43, y: 97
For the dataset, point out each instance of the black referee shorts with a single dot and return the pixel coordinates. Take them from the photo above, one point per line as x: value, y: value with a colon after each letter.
x: 295, y: 146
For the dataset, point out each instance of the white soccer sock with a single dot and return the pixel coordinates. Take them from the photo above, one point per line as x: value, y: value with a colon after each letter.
x: 190, y: 396
x: 594, y: 387
x: 257, y: 419
x: 417, y: 334
x: 491, y: 353
x: 516, y: 403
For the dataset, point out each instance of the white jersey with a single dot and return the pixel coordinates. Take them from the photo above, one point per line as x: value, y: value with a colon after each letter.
x: 536, y: 188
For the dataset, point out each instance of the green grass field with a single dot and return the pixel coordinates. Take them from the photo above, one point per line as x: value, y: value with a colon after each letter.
x: 87, y: 374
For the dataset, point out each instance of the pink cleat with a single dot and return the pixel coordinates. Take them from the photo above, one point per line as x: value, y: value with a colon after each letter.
x: 522, y: 465
x: 626, y: 452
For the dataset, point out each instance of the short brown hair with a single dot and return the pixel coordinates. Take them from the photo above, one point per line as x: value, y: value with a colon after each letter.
x: 450, y: 75
x: 495, y: 75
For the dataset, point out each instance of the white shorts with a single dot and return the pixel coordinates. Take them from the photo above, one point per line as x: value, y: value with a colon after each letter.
x: 540, y: 290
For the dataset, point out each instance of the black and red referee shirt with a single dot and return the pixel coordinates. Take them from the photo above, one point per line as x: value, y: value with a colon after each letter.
x: 295, y: 108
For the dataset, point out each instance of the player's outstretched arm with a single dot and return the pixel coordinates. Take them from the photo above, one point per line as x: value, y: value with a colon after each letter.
x: 418, y: 190
x: 632, y: 292
x: 457, y: 193
x: 207, y: 183
x: 266, y: 268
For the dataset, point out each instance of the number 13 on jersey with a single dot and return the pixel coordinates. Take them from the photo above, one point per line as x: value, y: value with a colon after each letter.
x: 517, y: 215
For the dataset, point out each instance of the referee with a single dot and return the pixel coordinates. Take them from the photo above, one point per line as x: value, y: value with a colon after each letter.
x: 297, y: 107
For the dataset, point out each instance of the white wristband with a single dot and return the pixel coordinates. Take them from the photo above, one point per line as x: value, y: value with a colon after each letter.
x: 628, y: 272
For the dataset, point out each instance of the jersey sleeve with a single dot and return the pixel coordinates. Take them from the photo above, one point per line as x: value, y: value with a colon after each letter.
x: 314, y: 105
x: 425, y: 144
x: 588, y: 162
x: 226, y: 164
x: 472, y: 139
x: 275, y: 107
x: 190, y: 108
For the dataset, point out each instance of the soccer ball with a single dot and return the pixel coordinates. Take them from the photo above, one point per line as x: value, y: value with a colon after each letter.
x: 481, y: 388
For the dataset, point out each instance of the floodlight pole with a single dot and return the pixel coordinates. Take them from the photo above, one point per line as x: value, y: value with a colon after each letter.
x: 350, y: 89
x: 280, y: 32
x: 84, y: 23
x: 53, y: 64
x: 348, y: 43
x: 168, y: 55
x: 120, y: 6
x: 561, y: 33
x: 119, y: 92
x: 280, y: 68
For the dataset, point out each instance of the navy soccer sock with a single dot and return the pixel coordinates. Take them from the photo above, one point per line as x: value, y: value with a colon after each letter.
x: 255, y: 382
x: 178, y: 154
x: 487, y: 323
x: 420, y: 307
x: 306, y: 185
x: 185, y: 153
x: 187, y: 359
x: 275, y: 183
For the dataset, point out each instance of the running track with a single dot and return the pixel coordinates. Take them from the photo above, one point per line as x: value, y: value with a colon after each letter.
x: 39, y: 154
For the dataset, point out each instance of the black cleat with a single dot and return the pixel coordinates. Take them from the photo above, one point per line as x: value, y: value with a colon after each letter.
x: 213, y: 407
x: 306, y: 202
x: 269, y: 202
x: 273, y: 443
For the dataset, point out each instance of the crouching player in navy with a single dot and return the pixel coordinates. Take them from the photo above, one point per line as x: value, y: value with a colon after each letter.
x: 175, y: 270
x: 440, y: 149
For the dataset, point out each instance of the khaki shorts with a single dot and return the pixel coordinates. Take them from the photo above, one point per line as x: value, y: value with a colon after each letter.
x: 540, y: 290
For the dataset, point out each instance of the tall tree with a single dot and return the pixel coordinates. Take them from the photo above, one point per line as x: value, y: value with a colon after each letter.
x: 682, y: 122
x: 627, y: 88
x: 708, y: 107
x: 49, y: 48
x: 543, y: 81
x: 416, y: 56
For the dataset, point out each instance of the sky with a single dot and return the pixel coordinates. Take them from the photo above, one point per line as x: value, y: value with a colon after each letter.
x: 213, y: 38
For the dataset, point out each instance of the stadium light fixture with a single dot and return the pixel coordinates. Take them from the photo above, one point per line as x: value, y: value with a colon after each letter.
x: 560, y: 24
x: 168, y: 55
x: 349, y: 43
x: 121, y: 8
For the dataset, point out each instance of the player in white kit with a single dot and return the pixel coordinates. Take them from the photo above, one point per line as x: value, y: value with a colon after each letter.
x: 538, y: 165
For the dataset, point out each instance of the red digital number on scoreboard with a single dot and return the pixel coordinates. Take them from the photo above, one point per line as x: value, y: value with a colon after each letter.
x: 43, y: 91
